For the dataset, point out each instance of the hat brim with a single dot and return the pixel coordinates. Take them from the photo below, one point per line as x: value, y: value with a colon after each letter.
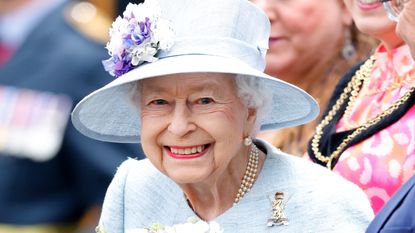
x: 107, y: 114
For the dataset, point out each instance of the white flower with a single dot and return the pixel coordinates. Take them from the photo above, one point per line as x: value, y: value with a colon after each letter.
x: 193, y: 225
x: 149, y: 9
x: 137, y: 231
x: 214, y: 227
x: 137, y: 37
x: 198, y: 227
x: 164, y: 34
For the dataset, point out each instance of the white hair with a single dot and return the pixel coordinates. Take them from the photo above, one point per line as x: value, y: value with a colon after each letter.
x: 252, y: 92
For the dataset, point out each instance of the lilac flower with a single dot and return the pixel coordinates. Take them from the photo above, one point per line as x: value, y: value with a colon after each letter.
x: 137, y: 37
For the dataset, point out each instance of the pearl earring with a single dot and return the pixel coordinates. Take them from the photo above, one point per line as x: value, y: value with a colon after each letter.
x: 247, y: 141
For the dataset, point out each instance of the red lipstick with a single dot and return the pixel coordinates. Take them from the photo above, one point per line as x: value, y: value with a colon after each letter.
x: 186, y: 156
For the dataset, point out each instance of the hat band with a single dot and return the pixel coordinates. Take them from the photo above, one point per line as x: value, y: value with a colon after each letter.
x: 219, y: 46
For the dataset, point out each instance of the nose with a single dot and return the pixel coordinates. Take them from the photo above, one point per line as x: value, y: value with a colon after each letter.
x: 181, y: 121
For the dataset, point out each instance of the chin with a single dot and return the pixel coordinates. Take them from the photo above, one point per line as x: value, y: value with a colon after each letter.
x: 375, y: 26
x: 279, y: 71
x: 279, y: 64
x: 186, y: 177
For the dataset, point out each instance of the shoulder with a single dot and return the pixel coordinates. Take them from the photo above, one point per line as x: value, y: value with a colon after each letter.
x: 136, y: 174
x: 300, y: 172
x: 130, y: 165
x: 114, y: 206
x: 317, y: 190
x: 296, y: 169
x: 304, y: 173
x: 134, y: 196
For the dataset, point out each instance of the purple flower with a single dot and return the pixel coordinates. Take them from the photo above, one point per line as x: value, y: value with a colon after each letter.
x: 142, y: 32
x: 137, y: 37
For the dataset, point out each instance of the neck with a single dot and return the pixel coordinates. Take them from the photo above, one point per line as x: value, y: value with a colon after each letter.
x: 213, y: 197
x: 207, y: 201
x: 391, y: 41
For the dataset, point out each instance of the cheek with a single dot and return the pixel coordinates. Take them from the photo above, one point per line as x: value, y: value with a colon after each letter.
x: 321, y: 27
x: 149, y: 126
x: 152, y: 151
x: 229, y: 124
x: 235, y: 115
x: 221, y: 121
x: 349, y: 5
x: 301, y: 19
x: 150, y: 130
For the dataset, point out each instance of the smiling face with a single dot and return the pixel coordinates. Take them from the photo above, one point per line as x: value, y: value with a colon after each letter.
x: 193, y: 125
x: 303, y: 32
x: 371, y: 18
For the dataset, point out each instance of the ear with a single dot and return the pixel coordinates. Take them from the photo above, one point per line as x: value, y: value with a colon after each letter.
x: 345, y: 14
x: 250, y: 121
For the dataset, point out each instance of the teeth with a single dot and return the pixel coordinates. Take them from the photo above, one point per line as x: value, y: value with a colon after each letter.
x: 369, y: 1
x: 187, y: 151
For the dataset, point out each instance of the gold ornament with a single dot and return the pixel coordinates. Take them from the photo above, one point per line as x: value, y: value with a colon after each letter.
x: 277, y: 216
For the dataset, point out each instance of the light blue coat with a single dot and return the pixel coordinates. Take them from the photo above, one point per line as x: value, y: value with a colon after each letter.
x: 318, y: 199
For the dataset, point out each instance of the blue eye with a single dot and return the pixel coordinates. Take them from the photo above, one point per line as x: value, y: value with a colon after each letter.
x: 205, y: 100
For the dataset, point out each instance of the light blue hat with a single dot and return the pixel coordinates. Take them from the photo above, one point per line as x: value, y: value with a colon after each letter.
x: 162, y: 37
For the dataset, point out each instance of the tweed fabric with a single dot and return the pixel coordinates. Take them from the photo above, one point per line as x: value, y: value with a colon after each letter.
x: 318, y: 199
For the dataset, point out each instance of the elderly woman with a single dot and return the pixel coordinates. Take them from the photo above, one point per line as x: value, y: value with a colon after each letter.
x: 189, y: 74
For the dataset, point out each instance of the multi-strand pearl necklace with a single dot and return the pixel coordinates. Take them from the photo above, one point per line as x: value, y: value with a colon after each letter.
x: 250, y: 174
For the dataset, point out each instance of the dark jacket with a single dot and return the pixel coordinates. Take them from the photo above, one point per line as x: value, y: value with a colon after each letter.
x: 56, y: 59
x: 398, y: 215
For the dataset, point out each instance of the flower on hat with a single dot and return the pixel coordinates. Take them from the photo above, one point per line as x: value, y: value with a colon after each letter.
x: 136, y: 37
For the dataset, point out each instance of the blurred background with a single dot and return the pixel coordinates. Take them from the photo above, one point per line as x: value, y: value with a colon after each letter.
x: 52, y: 178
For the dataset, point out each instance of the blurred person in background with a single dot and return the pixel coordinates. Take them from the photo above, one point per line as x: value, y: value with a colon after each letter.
x: 367, y: 133
x: 397, y: 214
x: 406, y: 25
x: 52, y: 179
x: 312, y: 43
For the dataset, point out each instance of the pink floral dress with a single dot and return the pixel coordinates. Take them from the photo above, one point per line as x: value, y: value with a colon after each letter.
x: 384, y: 161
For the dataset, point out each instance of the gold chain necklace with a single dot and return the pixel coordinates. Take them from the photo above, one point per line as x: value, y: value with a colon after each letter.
x: 409, y: 81
x: 360, y: 77
x: 250, y: 174
x: 352, y: 87
x: 364, y: 73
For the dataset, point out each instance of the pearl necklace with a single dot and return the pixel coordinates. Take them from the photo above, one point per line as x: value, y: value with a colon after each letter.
x: 250, y: 174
